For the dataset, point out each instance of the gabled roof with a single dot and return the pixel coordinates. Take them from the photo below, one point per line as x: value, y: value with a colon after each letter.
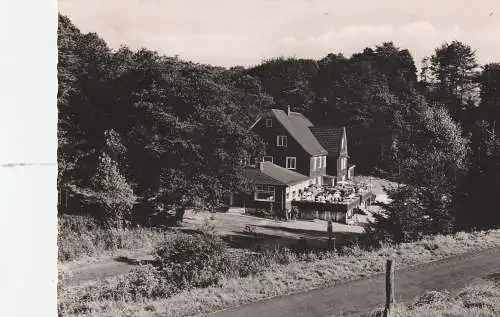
x: 298, y: 127
x: 272, y: 174
x: 299, y: 117
x: 329, y: 137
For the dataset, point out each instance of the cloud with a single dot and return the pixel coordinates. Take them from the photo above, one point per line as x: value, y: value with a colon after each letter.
x: 419, y: 37
x: 229, y: 32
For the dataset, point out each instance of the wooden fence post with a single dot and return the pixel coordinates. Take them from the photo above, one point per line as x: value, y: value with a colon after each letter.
x: 389, y: 287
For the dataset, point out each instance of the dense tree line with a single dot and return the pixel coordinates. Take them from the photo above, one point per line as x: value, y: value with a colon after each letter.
x: 139, y: 127
x: 135, y: 126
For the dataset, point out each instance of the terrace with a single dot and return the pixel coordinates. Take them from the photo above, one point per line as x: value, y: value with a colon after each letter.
x: 345, y: 192
x: 333, y: 202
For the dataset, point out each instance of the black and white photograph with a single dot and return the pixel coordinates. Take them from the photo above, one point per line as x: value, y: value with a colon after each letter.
x: 276, y: 158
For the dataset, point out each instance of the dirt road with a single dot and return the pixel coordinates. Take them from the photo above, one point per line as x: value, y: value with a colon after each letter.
x: 360, y: 297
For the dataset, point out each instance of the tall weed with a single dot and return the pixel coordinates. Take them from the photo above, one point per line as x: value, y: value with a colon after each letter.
x: 81, y: 236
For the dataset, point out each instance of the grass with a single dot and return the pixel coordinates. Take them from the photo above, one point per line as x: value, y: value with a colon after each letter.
x: 80, y: 238
x: 279, y: 276
x: 473, y: 301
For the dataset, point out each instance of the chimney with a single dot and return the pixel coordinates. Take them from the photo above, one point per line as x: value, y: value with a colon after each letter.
x: 288, y: 111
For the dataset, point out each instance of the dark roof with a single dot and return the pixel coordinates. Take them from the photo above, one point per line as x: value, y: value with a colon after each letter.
x: 329, y: 137
x: 298, y: 127
x: 255, y: 176
x: 272, y: 174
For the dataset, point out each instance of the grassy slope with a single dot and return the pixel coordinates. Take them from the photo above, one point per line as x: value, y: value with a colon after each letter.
x: 282, y: 279
x: 473, y: 301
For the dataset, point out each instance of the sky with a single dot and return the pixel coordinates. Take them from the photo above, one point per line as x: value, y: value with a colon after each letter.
x: 244, y: 32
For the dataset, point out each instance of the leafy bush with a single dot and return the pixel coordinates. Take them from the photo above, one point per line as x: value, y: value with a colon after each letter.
x: 197, y: 260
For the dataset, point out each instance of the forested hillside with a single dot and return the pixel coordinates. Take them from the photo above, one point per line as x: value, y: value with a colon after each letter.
x: 135, y: 126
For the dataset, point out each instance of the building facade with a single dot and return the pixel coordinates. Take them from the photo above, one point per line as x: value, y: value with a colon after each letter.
x: 297, y: 155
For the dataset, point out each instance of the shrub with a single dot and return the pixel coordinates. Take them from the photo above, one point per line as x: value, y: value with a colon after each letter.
x: 110, y: 193
x: 197, y: 260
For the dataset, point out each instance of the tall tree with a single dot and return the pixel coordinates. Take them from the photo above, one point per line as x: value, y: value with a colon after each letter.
x: 190, y: 144
x: 490, y: 95
x: 80, y: 127
x: 288, y: 81
x: 451, y: 76
x: 431, y: 158
x: 477, y: 193
x: 367, y: 93
x: 175, y: 130
x: 110, y: 193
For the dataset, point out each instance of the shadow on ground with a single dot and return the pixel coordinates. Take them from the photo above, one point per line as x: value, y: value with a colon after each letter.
x: 132, y: 261
x: 494, y: 277
x: 264, y: 241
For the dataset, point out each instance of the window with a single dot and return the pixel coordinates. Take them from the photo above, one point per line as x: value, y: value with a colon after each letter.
x: 313, y: 163
x: 320, y: 161
x: 267, y: 159
x: 264, y: 192
x: 291, y: 163
x: 281, y: 140
x: 269, y: 123
x: 324, y: 161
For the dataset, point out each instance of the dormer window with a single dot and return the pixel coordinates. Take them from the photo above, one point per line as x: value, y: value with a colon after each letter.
x: 281, y: 140
x: 269, y: 123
